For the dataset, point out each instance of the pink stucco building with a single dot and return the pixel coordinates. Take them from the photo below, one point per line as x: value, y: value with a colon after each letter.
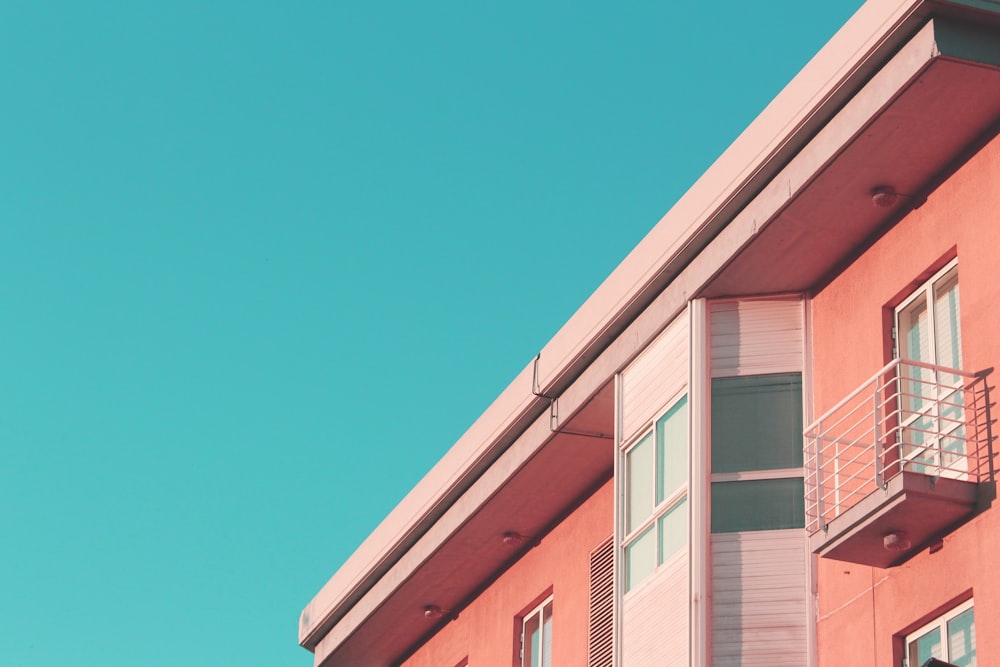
x: 766, y: 439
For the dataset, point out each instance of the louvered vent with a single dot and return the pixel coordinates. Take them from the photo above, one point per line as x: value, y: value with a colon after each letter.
x: 602, y: 604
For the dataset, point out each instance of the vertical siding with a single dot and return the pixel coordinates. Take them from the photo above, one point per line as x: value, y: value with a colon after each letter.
x: 759, y: 579
x: 760, y: 605
x: 756, y: 337
x: 655, y: 618
x: 655, y: 376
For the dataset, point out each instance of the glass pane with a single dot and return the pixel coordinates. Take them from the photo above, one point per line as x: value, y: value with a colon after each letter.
x: 546, y: 655
x: 947, y: 333
x: 673, y: 530
x: 639, y: 475
x: 962, y: 640
x: 757, y: 422
x: 953, y: 437
x: 914, y: 332
x: 640, y: 558
x: 766, y: 504
x: 914, y: 344
x: 532, y: 632
x: 671, y: 450
x: 925, y: 647
x: 918, y: 446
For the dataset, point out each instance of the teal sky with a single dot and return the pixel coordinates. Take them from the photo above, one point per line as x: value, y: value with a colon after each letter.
x: 261, y: 264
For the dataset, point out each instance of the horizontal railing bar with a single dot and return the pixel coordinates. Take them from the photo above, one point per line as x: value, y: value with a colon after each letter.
x: 868, y: 437
x: 885, y: 369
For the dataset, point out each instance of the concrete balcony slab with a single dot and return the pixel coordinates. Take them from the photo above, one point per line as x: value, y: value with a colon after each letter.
x: 917, y: 508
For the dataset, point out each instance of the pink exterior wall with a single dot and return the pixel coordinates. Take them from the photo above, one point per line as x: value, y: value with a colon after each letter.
x: 862, y: 609
x: 485, y: 630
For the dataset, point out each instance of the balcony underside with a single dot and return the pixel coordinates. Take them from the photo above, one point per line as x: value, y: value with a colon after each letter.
x: 920, y: 506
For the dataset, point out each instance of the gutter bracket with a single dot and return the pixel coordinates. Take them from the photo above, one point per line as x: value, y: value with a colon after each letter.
x: 554, y: 408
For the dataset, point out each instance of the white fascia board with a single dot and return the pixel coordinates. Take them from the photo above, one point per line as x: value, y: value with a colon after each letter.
x: 784, y: 126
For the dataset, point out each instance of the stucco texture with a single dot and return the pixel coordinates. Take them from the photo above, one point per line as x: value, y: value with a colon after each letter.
x: 863, y: 611
x: 487, y: 630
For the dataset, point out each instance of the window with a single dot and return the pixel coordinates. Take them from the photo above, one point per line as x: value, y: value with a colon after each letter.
x: 950, y: 637
x: 927, y: 330
x: 757, y: 453
x: 536, y: 636
x: 656, y: 519
x: 927, y: 323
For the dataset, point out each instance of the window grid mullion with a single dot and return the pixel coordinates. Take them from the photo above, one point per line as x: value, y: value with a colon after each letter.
x: 669, y: 503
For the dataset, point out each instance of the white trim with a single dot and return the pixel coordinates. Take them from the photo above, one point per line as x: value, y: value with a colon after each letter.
x: 808, y: 414
x: 753, y: 475
x: 941, y: 622
x: 670, y: 501
x: 925, y: 292
x: 925, y: 287
x: 540, y: 612
x: 699, y: 396
x: 650, y: 424
x: 619, y: 523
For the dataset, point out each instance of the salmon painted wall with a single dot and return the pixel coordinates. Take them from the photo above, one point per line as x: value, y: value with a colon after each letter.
x: 862, y: 609
x: 485, y: 631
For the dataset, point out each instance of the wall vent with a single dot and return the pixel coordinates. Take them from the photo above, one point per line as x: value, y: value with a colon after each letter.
x: 602, y: 605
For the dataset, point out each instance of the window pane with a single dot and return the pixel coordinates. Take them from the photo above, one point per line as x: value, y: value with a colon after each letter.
x: 915, y: 344
x: 671, y: 450
x: 925, y: 647
x: 673, y: 530
x: 532, y: 632
x: 914, y: 332
x: 639, y: 475
x: 640, y: 558
x: 947, y: 336
x: 767, y: 504
x: 757, y: 422
x: 962, y: 640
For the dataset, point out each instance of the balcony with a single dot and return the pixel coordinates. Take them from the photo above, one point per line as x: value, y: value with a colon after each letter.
x: 898, y: 463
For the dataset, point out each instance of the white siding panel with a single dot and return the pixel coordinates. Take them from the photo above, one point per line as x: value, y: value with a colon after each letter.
x: 756, y: 337
x: 655, y: 618
x: 760, y: 599
x: 658, y: 374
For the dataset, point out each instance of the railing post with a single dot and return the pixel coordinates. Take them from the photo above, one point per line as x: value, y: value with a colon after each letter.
x: 989, y: 420
x: 820, y: 520
x: 937, y: 425
x: 877, y: 431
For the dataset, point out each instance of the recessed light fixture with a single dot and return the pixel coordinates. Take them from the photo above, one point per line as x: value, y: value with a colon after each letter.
x: 896, y: 541
x: 885, y: 196
x: 512, y: 539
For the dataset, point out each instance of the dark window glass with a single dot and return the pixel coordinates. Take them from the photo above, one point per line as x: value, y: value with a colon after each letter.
x: 757, y: 422
x: 766, y: 504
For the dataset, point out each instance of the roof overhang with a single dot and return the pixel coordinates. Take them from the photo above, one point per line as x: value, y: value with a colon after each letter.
x: 875, y: 107
x: 907, y: 129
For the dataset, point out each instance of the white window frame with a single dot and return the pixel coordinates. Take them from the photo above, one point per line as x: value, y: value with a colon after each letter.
x: 538, y: 611
x: 672, y: 498
x: 941, y: 624
x: 926, y: 293
x: 923, y: 458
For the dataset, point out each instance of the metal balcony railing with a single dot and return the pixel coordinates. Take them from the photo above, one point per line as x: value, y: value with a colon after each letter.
x: 909, y: 416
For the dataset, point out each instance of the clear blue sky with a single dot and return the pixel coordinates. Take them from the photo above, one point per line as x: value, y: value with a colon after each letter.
x: 261, y: 264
